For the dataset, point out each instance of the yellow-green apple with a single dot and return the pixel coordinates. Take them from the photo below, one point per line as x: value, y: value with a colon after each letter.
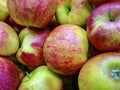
x: 97, y: 3
x: 103, y: 27
x: 73, y: 12
x: 35, y: 13
x: 41, y: 78
x: 65, y: 49
x: 101, y: 72
x: 9, y: 41
x: 3, y: 10
x: 32, y: 40
x: 10, y: 76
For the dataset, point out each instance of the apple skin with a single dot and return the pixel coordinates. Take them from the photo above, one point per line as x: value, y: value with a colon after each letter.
x: 37, y: 13
x: 9, y: 41
x: 97, y: 3
x: 3, y: 10
x: 10, y: 76
x: 41, y: 78
x: 103, y: 27
x: 32, y: 40
x: 73, y: 12
x: 65, y: 49
x: 101, y: 72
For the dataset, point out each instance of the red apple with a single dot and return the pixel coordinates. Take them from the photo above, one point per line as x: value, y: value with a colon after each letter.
x: 102, y: 72
x: 32, y: 40
x: 9, y: 41
x: 9, y: 75
x: 35, y: 13
x: 103, y: 27
x: 97, y: 3
x: 65, y: 49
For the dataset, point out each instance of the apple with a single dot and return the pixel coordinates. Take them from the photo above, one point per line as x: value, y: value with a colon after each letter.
x: 32, y: 40
x: 9, y: 41
x: 41, y: 78
x: 101, y: 72
x: 34, y: 13
x: 73, y: 12
x: 3, y: 10
x: 65, y: 49
x: 97, y: 3
x: 103, y: 27
x: 10, y: 76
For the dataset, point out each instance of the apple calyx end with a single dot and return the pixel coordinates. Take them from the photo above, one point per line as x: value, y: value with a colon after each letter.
x: 115, y: 73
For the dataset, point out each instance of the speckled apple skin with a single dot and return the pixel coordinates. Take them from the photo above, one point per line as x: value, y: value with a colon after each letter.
x: 35, y: 13
x: 65, y: 49
x: 9, y: 75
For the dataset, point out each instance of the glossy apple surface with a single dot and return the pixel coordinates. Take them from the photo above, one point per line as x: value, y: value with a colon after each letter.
x: 41, y: 78
x: 103, y: 27
x: 65, y: 49
x: 73, y: 12
x: 34, y: 13
x: 9, y: 75
x: 32, y: 40
x: 9, y: 41
x: 101, y: 72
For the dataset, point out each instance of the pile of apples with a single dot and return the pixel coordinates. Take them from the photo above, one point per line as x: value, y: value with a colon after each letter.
x: 59, y: 44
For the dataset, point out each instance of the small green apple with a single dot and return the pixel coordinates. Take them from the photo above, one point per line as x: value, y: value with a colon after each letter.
x: 41, y: 78
x: 73, y: 12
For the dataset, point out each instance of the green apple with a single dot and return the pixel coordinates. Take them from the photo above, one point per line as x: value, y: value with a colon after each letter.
x: 3, y: 10
x: 41, y: 78
x: 101, y: 72
x: 73, y: 12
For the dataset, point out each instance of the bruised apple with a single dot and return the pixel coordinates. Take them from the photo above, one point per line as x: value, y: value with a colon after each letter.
x: 32, y: 40
x: 101, y: 72
x: 9, y: 41
x: 65, y: 49
x: 34, y: 13
x: 10, y: 76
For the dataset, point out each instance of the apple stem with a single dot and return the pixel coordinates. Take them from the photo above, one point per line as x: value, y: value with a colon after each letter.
x: 28, y: 75
x: 115, y: 74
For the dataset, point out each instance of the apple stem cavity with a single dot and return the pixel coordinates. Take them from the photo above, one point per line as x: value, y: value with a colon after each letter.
x: 111, y: 17
x: 115, y: 73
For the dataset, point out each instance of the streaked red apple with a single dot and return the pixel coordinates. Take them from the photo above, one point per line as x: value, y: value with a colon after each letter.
x: 65, y: 49
x: 10, y: 76
x: 103, y: 27
x: 9, y: 41
x: 34, y: 13
x: 102, y: 72
x: 32, y: 40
